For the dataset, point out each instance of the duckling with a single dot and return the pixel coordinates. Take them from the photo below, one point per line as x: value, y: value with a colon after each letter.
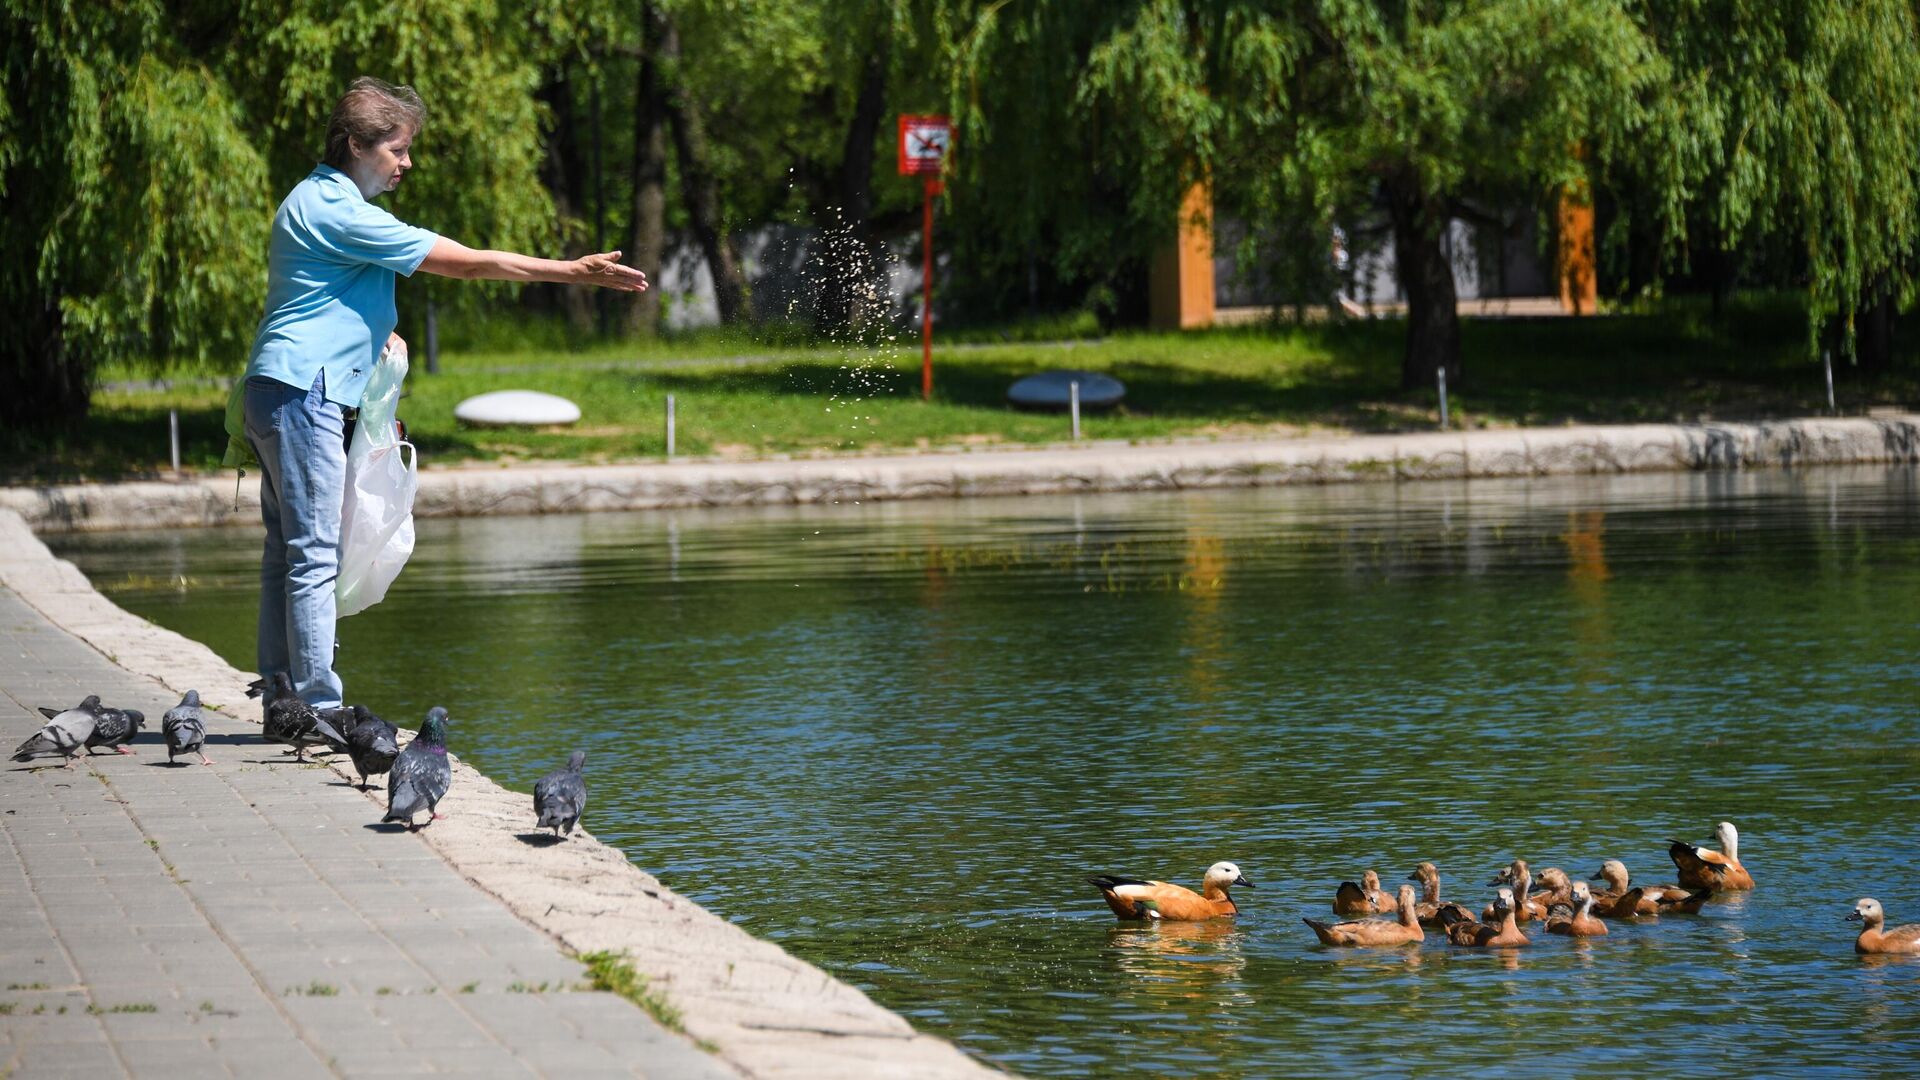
x: 1609, y: 903
x: 1428, y: 910
x: 1405, y: 931
x: 1365, y: 898
x: 1704, y: 868
x: 1527, y: 907
x: 1135, y: 898
x: 1580, y: 923
x: 1900, y: 941
x: 1689, y: 904
x: 1462, y: 930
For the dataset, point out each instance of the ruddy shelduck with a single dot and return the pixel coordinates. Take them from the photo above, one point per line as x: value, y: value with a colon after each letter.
x: 1527, y: 905
x: 1135, y: 898
x: 1704, y: 868
x: 1581, y: 923
x: 1899, y: 941
x: 1462, y: 930
x: 1365, y: 898
x: 1403, y: 931
x: 1428, y: 910
x: 1622, y: 900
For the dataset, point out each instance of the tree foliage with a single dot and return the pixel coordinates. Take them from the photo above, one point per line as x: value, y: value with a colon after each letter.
x: 144, y: 144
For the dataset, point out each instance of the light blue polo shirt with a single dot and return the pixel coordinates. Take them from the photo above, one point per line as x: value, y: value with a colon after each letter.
x: 330, y: 269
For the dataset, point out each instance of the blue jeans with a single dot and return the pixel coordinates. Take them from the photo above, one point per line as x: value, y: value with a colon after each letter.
x: 300, y: 438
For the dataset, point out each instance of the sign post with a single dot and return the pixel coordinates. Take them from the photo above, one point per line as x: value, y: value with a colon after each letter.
x: 924, y: 141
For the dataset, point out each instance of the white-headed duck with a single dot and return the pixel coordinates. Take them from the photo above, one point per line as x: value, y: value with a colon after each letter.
x: 1528, y: 905
x: 1899, y: 941
x: 1462, y: 930
x: 1704, y: 868
x: 1403, y: 931
x: 1365, y: 898
x: 1581, y: 922
x: 1135, y: 898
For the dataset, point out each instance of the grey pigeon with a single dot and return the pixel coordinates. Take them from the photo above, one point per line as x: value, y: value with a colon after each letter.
x: 289, y: 719
x: 561, y: 796
x: 185, y: 728
x: 114, y: 728
x: 66, y: 732
x: 421, y: 775
x: 371, y: 742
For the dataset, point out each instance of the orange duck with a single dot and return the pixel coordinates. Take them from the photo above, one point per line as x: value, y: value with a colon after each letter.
x: 1529, y: 905
x: 1404, y: 931
x: 1366, y: 898
x: 1899, y: 941
x: 1619, y: 901
x: 1462, y: 930
x: 1581, y: 923
x: 1134, y: 898
x: 1703, y: 868
x: 1428, y: 910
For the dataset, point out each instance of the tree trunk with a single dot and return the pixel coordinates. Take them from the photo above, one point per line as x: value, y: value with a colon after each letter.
x: 564, y: 180
x: 42, y: 383
x: 699, y: 189
x: 649, y: 243
x: 849, y: 269
x: 1426, y: 275
x: 1873, y: 329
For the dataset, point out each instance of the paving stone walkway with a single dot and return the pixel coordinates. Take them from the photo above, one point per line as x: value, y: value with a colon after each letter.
x: 251, y: 919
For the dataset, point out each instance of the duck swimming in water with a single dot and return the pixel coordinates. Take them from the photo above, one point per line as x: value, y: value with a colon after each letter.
x: 1704, y: 868
x: 1873, y: 939
x: 1136, y: 898
x: 1403, y: 931
x: 1365, y: 898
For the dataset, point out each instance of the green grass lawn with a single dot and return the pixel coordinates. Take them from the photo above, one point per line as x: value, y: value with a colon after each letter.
x: 744, y: 396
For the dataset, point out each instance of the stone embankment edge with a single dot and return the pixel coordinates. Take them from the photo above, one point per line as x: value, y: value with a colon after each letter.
x: 1096, y: 467
x: 767, y: 1013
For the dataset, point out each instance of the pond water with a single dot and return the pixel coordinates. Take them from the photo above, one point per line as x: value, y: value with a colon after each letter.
x: 896, y: 738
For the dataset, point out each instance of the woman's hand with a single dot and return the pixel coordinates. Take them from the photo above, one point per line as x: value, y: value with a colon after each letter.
x: 605, y: 271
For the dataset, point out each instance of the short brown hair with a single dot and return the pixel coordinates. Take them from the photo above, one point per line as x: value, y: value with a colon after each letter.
x: 369, y: 112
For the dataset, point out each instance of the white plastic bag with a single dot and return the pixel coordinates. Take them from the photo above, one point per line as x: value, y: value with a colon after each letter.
x: 376, y: 520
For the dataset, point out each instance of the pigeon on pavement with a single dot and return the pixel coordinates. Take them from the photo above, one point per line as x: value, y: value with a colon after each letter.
x: 371, y: 742
x: 421, y: 774
x: 66, y: 732
x: 185, y: 728
x: 561, y: 796
x: 289, y: 719
x: 114, y: 728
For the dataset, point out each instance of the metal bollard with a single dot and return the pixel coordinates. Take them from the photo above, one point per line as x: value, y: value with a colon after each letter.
x: 173, y: 438
x: 1073, y: 405
x: 1442, y: 371
x: 669, y: 425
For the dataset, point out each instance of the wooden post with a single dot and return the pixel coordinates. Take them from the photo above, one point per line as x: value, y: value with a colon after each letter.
x: 1180, y: 282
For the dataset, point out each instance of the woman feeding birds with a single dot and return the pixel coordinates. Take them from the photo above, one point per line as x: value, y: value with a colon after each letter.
x: 331, y: 266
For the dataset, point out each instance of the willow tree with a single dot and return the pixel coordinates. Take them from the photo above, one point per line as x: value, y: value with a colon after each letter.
x: 1805, y: 121
x: 136, y: 204
x: 1433, y: 111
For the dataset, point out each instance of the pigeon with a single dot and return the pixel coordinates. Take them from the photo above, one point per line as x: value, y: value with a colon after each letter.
x: 289, y: 719
x: 371, y: 742
x: 114, y: 728
x: 420, y: 775
x: 186, y: 728
x: 561, y: 796
x: 66, y: 732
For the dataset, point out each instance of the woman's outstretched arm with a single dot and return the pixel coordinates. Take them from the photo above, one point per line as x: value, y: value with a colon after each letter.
x: 450, y: 258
